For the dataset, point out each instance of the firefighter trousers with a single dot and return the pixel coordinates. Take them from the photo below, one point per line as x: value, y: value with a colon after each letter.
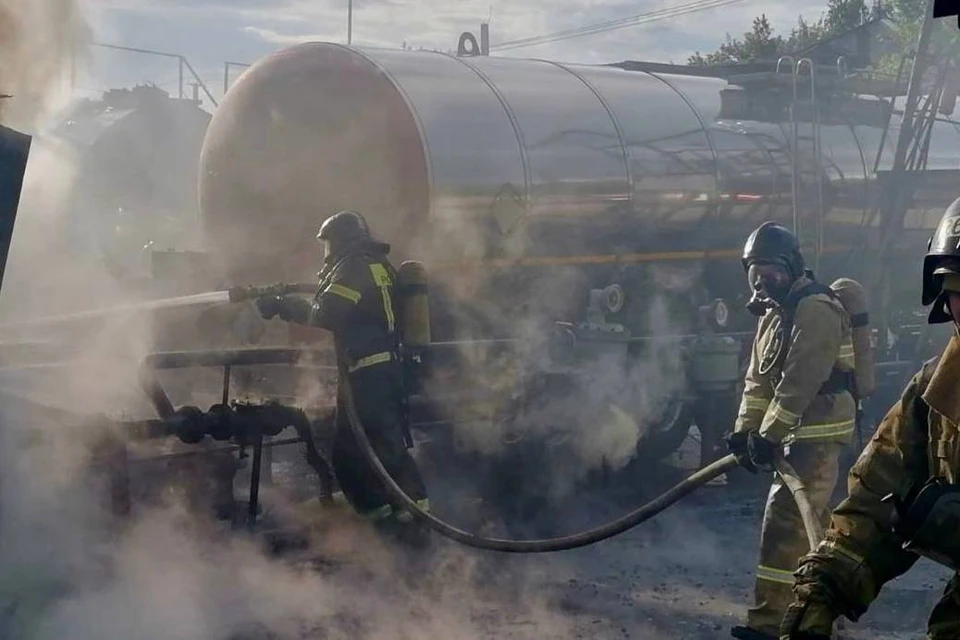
x: 783, y: 539
x: 377, y: 393
x: 944, y: 620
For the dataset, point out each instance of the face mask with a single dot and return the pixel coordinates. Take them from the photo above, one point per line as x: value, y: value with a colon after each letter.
x: 768, y: 282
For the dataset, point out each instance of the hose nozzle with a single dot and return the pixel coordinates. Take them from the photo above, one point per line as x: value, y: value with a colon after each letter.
x: 241, y: 293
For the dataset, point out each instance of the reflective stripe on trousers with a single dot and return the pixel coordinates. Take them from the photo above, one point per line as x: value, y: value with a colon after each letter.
x: 369, y: 361
x: 824, y: 431
x: 782, y: 576
x: 387, y: 511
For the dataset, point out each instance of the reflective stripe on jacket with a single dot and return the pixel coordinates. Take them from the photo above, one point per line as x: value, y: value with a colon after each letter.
x: 918, y: 439
x: 356, y: 303
x: 784, y: 402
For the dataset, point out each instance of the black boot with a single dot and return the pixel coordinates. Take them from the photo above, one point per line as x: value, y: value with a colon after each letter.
x: 746, y: 633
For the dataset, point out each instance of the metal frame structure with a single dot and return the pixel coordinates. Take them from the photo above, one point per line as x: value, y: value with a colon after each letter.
x: 183, y: 66
x: 226, y: 72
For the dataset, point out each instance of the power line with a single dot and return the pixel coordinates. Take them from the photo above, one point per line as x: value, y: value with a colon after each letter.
x: 652, y: 16
x: 643, y: 18
x: 609, y: 23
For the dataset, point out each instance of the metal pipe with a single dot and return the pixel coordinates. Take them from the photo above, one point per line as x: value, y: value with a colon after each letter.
x: 794, y: 175
x: 151, y: 385
x: 136, y: 50
x: 182, y: 62
x: 349, y: 21
x: 203, y: 85
x: 226, y: 357
x: 255, y: 481
x: 226, y: 73
x: 890, y: 113
x: 204, y: 452
x: 817, y: 158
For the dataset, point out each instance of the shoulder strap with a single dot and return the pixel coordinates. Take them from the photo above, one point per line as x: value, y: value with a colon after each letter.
x: 812, y: 289
x: 787, y: 311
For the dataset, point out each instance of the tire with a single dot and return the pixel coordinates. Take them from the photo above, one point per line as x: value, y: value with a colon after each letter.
x: 669, y: 433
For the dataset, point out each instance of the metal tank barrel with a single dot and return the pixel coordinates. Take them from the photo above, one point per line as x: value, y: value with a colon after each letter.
x: 460, y: 158
x: 464, y: 149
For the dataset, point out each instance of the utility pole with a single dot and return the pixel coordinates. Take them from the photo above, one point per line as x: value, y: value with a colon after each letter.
x: 349, y: 21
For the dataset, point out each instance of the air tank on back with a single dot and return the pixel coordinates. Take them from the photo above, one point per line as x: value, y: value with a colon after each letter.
x: 525, y: 181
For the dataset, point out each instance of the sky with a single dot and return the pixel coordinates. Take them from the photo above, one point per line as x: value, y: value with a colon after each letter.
x: 210, y: 32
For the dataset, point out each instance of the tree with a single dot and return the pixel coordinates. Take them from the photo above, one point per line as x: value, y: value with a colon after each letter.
x: 761, y: 43
x: 909, y: 16
x: 843, y: 15
x: 757, y: 44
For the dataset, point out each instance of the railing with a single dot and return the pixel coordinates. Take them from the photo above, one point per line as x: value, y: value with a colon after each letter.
x: 183, y: 64
x: 226, y: 73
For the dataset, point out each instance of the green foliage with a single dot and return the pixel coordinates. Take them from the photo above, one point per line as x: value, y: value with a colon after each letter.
x: 908, y: 16
x: 760, y: 43
x: 757, y: 44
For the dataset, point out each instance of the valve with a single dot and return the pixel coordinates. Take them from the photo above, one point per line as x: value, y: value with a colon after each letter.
x: 188, y: 424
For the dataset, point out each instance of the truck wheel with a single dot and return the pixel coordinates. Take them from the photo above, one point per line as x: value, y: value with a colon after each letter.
x: 668, y: 433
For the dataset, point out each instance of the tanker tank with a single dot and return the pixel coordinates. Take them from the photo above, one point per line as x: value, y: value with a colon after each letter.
x: 498, y: 173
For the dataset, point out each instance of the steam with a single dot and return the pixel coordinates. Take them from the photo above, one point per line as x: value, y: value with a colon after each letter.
x: 597, y: 422
x: 39, y: 41
x: 71, y: 568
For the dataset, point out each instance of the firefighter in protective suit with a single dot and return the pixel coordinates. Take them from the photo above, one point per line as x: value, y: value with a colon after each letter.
x: 903, y: 498
x: 797, y: 392
x: 355, y: 301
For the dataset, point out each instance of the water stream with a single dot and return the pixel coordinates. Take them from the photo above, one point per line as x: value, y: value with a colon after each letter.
x: 213, y: 297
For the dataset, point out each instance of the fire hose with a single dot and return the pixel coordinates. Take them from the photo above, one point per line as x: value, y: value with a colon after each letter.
x: 687, y: 486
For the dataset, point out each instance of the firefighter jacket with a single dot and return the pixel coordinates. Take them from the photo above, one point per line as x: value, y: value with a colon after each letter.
x: 355, y: 301
x: 918, y: 439
x: 794, y: 395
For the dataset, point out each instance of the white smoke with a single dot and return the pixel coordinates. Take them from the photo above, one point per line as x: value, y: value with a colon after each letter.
x: 42, y: 42
x: 70, y: 568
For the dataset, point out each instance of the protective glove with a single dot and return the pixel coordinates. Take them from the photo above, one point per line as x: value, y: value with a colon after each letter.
x: 269, y: 306
x: 753, y: 451
x: 807, y: 620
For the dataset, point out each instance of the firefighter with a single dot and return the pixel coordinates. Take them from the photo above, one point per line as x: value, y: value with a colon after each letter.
x: 797, y: 392
x: 903, y: 496
x: 355, y: 301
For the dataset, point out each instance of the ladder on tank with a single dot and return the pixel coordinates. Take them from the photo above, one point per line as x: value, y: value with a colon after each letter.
x: 807, y: 158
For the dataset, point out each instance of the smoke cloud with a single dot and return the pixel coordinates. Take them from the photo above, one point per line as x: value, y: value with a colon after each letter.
x: 40, y: 41
x: 71, y: 568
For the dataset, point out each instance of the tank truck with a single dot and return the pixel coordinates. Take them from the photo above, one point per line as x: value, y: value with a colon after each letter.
x: 580, y: 227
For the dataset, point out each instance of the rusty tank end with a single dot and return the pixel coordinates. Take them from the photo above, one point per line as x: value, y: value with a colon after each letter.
x: 305, y: 132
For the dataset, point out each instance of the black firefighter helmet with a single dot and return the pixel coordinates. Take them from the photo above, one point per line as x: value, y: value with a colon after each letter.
x: 343, y: 227
x: 773, y: 243
x: 941, y: 262
x: 341, y: 231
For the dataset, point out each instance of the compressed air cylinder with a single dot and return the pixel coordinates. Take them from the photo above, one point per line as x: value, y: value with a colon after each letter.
x: 853, y: 297
x: 414, y: 305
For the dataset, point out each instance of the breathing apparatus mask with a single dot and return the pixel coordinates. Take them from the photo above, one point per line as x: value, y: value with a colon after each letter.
x: 770, y: 283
